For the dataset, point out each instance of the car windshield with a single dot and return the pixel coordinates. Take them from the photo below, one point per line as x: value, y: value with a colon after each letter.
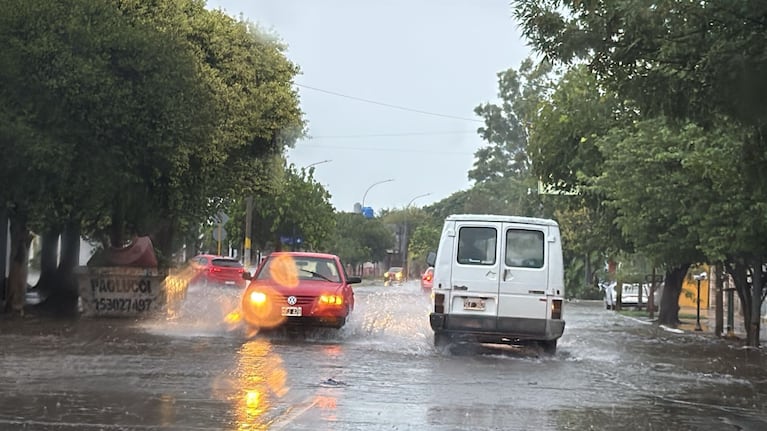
x: 395, y: 269
x: 302, y: 268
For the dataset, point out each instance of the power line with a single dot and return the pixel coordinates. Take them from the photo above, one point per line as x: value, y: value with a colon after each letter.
x: 395, y: 150
x: 389, y: 135
x: 389, y: 105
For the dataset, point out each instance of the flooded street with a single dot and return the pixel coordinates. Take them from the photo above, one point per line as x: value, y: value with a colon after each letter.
x: 379, y: 372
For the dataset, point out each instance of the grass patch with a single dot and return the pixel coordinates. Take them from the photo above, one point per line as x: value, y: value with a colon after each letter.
x: 644, y: 313
x: 634, y: 313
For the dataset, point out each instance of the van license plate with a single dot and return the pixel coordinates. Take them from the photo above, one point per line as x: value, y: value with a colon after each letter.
x: 474, y: 304
x: 291, y: 311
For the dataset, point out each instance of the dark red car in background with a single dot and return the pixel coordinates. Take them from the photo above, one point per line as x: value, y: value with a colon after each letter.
x: 209, y: 270
x: 298, y: 289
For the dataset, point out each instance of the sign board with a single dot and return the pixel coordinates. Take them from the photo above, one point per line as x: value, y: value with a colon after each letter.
x: 221, y: 218
x: 219, y: 233
x: 121, y: 291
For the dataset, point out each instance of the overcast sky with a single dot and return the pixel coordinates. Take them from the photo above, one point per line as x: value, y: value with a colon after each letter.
x: 439, y: 57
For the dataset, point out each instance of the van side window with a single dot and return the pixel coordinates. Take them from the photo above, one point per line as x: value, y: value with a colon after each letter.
x: 476, y: 246
x: 524, y: 248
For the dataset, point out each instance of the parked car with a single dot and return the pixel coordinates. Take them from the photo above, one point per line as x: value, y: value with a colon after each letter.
x: 427, y: 279
x: 298, y: 289
x: 210, y: 270
x: 630, y: 295
x: 395, y: 274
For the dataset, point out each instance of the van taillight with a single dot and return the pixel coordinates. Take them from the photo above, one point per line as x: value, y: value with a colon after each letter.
x: 439, y: 303
x: 556, y: 309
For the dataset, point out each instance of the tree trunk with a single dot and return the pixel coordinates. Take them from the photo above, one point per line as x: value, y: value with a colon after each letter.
x: 70, y: 257
x: 3, y: 257
x: 21, y: 238
x: 163, y: 243
x: 669, y: 301
x: 752, y: 338
x: 719, y: 312
x: 62, y: 287
x: 739, y: 272
x: 116, y: 235
x: 49, y: 257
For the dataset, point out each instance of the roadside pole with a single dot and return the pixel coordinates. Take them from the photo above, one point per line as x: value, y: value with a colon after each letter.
x: 248, y: 222
x: 719, y: 310
x: 3, y: 257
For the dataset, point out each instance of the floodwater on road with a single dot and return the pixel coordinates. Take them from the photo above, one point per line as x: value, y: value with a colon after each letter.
x: 379, y: 372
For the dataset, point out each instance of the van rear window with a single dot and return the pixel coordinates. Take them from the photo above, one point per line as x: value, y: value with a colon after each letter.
x: 476, y: 245
x: 524, y: 248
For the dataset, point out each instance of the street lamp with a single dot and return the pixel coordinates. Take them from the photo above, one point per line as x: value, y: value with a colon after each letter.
x: 373, y: 185
x: 317, y: 163
x: 698, y: 278
x: 407, y: 237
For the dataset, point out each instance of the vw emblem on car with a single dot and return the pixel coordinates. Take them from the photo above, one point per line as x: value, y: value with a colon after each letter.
x: 292, y: 300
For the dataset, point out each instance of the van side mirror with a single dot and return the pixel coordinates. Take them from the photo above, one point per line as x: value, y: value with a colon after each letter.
x: 431, y: 259
x: 353, y: 280
x: 246, y: 275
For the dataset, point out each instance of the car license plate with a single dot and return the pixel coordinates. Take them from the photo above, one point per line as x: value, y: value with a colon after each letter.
x: 229, y: 282
x: 474, y: 304
x: 291, y: 311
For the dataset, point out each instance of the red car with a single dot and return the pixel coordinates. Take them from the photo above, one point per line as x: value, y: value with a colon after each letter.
x: 217, y: 271
x: 427, y: 279
x: 299, y: 288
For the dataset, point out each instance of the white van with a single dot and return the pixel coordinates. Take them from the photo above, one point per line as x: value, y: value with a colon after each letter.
x: 498, y: 279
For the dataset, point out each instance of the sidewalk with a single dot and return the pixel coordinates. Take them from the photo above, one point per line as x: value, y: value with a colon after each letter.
x: 708, y: 322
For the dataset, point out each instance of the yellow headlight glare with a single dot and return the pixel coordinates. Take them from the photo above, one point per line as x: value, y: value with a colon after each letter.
x: 331, y: 300
x: 257, y: 298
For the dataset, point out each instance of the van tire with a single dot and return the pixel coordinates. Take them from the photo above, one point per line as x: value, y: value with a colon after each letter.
x: 549, y: 346
x: 441, y: 339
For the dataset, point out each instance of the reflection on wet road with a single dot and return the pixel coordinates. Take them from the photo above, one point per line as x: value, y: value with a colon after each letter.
x: 197, y: 372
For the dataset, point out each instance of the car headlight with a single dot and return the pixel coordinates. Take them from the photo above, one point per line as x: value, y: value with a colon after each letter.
x: 331, y: 299
x: 257, y: 298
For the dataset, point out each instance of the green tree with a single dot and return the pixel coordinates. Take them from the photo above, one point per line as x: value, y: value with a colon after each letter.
x: 506, y: 124
x: 293, y: 204
x: 698, y: 64
x: 357, y: 239
x: 100, y: 89
x: 140, y: 118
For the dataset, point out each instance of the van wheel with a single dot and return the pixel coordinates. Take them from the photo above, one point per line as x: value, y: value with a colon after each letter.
x: 549, y: 346
x: 441, y: 339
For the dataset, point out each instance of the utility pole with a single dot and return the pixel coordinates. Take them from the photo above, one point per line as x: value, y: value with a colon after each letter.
x: 719, y: 326
x: 698, y: 278
x: 3, y: 257
x: 248, y: 233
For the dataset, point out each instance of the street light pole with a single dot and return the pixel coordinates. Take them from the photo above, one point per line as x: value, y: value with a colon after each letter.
x: 317, y: 163
x: 373, y: 185
x: 698, y: 278
x: 407, y: 237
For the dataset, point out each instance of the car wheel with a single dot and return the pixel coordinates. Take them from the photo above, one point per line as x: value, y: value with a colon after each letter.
x: 549, y: 346
x: 441, y: 339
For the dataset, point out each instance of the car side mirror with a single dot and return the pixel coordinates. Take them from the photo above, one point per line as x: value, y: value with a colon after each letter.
x: 246, y: 275
x: 431, y: 259
x: 353, y: 280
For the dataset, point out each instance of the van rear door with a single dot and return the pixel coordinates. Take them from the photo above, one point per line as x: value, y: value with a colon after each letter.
x: 476, y: 269
x: 523, y: 285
